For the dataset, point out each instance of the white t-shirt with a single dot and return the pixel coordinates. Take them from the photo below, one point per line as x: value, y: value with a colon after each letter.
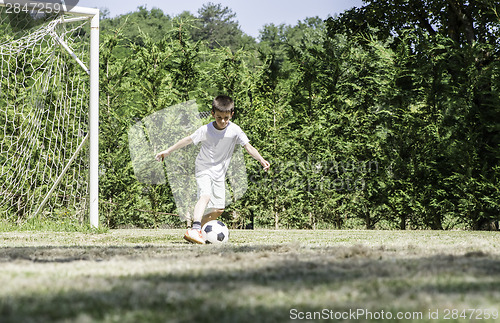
x: 217, y: 147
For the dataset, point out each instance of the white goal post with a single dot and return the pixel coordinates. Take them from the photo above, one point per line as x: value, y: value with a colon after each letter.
x: 67, y: 15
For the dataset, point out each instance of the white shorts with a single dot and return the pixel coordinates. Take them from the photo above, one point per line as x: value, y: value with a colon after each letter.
x: 215, y: 189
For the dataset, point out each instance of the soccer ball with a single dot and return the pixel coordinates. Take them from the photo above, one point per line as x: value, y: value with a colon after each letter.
x: 215, y: 232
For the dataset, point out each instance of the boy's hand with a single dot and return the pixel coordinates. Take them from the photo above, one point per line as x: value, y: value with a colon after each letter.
x: 161, y: 155
x: 265, y: 164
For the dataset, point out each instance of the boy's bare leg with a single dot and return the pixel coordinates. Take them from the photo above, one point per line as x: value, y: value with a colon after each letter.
x: 194, y: 234
x: 199, y: 208
x: 211, y: 216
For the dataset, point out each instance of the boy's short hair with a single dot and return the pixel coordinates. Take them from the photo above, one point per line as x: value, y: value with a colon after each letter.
x: 223, y: 103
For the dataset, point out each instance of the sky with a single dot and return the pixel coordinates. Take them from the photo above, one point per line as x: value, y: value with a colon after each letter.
x: 251, y: 14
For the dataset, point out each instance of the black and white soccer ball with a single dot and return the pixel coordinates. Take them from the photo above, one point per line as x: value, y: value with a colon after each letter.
x: 215, y: 232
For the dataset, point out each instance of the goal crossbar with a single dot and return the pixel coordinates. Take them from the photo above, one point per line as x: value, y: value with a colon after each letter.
x: 92, y: 14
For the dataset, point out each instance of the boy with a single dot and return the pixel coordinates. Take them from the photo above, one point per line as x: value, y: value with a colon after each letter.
x: 218, y: 140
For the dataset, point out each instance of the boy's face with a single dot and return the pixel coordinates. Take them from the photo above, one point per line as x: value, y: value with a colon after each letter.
x: 222, y: 119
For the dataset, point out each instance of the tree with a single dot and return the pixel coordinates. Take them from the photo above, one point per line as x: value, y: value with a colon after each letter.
x: 218, y: 28
x: 133, y: 26
x: 447, y: 52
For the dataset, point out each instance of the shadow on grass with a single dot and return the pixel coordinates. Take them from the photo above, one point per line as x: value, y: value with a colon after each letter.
x: 264, y: 289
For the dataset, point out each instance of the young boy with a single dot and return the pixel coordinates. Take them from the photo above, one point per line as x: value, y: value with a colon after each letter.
x: 218, y: 140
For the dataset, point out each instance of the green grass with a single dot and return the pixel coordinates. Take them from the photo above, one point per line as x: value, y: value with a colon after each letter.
x: 260, y: 276
x: 62, y: 224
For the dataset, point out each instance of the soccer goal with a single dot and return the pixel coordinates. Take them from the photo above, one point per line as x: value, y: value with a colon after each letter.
x: 49, y: 111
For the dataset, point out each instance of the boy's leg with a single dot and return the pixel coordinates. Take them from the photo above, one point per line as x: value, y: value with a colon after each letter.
x: 199, y: 209
x: 210, y: 192
x: 211, y: 216
x: 194, y: 234
x: 217, y: 202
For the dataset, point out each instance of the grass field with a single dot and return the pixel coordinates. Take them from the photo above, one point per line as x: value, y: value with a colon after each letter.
x: 260, y: 276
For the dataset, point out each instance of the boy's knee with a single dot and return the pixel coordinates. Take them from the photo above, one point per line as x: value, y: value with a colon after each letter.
x: 205, y: 198
x: 211, y: 215
x: 214, y: 213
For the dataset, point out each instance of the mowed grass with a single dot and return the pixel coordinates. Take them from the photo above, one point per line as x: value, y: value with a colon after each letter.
x: 260, y: 276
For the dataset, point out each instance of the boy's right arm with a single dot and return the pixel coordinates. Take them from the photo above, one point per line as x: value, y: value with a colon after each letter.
x: 181, y: 143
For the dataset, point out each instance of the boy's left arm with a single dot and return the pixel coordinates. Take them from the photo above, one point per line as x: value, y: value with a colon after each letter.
x: 255, y: 154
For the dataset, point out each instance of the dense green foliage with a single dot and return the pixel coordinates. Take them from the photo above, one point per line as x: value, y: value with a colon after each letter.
x: 386, y: 116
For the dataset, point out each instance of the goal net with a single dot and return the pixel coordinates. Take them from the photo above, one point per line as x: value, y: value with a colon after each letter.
x: 45, y: 90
